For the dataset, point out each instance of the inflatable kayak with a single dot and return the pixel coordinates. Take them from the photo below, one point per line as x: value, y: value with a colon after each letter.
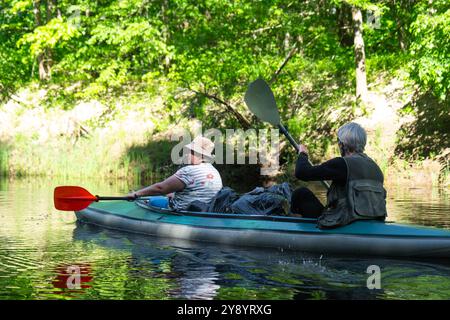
x: 361, y: 238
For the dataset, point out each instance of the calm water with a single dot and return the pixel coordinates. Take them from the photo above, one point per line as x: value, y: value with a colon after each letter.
x: 38, y: 244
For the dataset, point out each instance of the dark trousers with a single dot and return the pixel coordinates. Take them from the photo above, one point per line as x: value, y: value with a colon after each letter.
x: 304, y: 202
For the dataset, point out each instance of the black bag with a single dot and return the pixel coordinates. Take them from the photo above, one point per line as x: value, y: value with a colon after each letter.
x: 274, y: 200
x: 197, y: 206
x: 222, y: 201
x: 283, y: 189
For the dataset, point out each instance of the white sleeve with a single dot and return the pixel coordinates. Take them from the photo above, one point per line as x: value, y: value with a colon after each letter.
x: 185, y: 175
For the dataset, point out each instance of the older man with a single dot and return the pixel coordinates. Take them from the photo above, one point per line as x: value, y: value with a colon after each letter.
x: 356, y: 190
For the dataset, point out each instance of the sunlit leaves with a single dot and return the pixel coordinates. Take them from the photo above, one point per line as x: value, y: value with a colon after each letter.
x: 431, y: 50
x: 56, y: 32
x: 217, y: 47
x: 21, y: 5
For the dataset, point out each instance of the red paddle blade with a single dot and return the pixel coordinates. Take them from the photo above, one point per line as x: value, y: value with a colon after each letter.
x: 72, y: 198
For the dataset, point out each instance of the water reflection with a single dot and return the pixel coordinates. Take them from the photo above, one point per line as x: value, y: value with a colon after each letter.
x: 204, y: 271
x: 38, y: 244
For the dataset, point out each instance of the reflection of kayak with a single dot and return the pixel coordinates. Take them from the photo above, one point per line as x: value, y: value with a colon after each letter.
x: 359, y: 238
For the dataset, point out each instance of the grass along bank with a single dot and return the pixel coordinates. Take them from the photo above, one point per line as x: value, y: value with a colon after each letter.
x: 91, y: 140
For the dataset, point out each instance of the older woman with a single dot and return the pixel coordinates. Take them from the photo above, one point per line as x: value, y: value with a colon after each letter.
x: 356, y: 190
x: 197, y: 181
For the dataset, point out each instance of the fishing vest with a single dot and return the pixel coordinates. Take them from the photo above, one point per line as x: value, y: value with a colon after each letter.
x: 362, y: 197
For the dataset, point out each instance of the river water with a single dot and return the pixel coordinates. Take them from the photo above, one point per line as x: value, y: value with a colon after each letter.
x: 39, y: 245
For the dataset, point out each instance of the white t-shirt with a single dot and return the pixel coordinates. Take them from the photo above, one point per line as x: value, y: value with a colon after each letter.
x: 202, y: 182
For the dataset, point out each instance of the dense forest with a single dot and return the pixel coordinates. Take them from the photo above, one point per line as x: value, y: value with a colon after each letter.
x: 170, y: 61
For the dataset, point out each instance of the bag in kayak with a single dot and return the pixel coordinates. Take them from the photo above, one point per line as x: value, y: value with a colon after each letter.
x: 197, y: 206
x: 283, y: 189
x: 271, y: 201
x: 222, y: 201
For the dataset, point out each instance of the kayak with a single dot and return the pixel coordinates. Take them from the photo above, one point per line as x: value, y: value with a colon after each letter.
x: 360, y: 238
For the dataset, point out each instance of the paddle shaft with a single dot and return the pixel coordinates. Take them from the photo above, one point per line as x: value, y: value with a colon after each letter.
x: 115, y: 198
x: 289, y: 137
x: 297, y: 148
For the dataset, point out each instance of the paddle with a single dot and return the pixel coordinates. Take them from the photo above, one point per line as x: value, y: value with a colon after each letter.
x: 261, y: 102
x: 72, y: 198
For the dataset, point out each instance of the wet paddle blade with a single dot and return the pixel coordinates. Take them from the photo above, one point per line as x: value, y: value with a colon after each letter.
x: 260, y: 100
x: 72, y: 198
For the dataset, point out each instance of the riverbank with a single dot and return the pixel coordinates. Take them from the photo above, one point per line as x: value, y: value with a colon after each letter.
x: 129, y: 138
x: 91, y: 139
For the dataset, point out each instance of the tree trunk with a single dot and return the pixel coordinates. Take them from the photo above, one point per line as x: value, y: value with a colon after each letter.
x: 48, y: 62
x: 42, y: 58
x: 165, y: 30
x: 37, y: 21
x: 48, y: 10
x: 401, y: 32
x: 37, y: 12
x: 401, y: 36
x: 344, y: 23
x: 360, y: 57
x: 58, y: 11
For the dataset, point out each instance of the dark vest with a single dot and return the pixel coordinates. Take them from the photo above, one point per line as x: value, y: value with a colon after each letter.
x: 362, y: 197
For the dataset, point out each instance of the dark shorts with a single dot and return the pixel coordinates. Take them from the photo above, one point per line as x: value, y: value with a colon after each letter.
x: 304, y: 202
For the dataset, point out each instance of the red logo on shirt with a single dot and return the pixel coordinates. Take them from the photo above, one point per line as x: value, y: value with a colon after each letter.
x: 209, y: 176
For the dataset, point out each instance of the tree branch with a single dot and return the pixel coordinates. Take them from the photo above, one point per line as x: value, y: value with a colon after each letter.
x: 286, y: 60
x: 244, y: 122
x: 254, y: 32
x: 6, y: 93
x: 289, y: 56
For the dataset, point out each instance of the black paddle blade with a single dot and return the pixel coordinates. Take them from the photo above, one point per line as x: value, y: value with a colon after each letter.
x: 260, y: 100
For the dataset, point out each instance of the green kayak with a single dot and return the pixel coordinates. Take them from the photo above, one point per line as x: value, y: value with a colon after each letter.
x: 361, y: 238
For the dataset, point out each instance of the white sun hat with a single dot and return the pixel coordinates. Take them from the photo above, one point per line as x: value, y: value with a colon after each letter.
x: 201, y: 145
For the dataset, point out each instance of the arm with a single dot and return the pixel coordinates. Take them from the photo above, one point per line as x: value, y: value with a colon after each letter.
x: 171, y: 184
x: 334, y: 169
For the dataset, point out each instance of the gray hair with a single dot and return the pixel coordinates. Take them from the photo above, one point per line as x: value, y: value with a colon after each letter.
x: 353, y: 137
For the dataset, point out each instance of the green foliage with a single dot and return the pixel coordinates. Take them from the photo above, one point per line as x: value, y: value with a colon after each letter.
x: 55, y: 33
x: 15, y: 63
x: 215, y: 46
x: 430, y: 50
x: 200, y: 55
